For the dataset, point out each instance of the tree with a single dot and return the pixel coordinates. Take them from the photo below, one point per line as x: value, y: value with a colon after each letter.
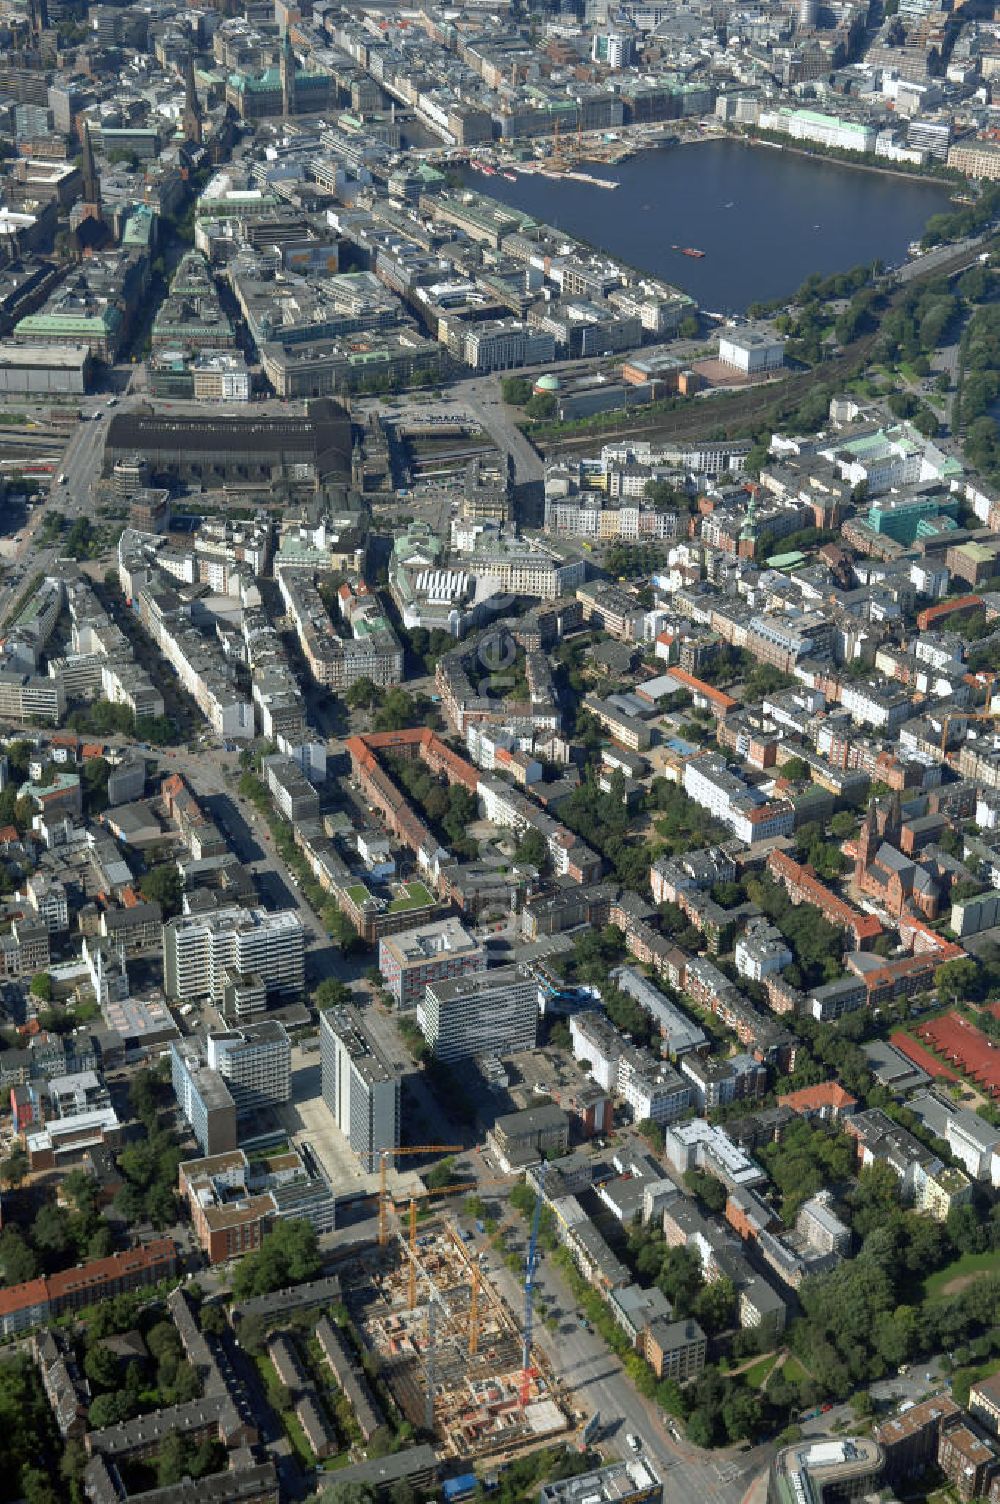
x: 957, y: 979
x: 680, y: 1279
x: 707, y: 1188
x: 15, y: 1166
x: 652, y: 1133
x: 50, y: 1230
x: 143, y: 1095
x: 37, y: 1487
x: 441, y: 1174
x: 715, y: 1305
x: 364, y: 693
x: 171, y: 1461
x: 532, y: 850
x: 289, y: 1256
x: 17, y: 1259
x: 163, y: 1341
x: 41, y: 986
x: 213, y: 1321
x: 253, y: 1334
x: 348, y: 1493
x: 331, y: 993
x: 101, y: 1367
x: 80, y: 1190
x: 165, y: 886
x: 109, y: 1410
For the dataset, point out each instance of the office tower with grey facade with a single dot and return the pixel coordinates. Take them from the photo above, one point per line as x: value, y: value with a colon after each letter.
x: 360, y: 1086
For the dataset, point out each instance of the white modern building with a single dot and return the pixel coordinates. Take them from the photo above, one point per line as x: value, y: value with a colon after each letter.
x: 485, y: 1013
x: 760, y: 951
x: 255, y: 1062
x: 749, y: 815
x: 751, y: 351
x: 431, y: 953
x: 206, y: 954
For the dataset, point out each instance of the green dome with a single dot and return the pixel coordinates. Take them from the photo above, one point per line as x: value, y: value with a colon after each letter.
x: 547, y: 384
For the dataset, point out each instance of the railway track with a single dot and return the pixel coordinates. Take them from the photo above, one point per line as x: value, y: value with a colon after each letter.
x: 728, y: 417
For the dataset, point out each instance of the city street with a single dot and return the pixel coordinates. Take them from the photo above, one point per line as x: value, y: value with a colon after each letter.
x: 595, y: 1381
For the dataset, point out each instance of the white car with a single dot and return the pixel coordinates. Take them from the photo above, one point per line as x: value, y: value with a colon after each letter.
x: 633, y: 1441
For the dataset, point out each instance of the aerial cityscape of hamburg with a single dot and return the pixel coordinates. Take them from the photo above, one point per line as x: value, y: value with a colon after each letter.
x: 500, y: 752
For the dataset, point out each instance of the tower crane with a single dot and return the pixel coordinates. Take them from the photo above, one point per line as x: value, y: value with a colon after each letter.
x: 964, y: 715
x: 530, y: 1266
x: 383, y: 1196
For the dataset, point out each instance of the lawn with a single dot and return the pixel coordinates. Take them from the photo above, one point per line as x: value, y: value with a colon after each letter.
x: 754, y: 1377
x: 793, y: 1370
x: 357, y: 893
x: 410, y: 896
x: 967, y: 1268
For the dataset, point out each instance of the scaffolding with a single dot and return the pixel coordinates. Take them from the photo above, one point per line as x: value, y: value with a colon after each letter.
x: 450, y: 1348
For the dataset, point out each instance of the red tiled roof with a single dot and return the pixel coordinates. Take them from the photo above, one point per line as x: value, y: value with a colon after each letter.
x: 699, y: 686
x: 812, y: 1098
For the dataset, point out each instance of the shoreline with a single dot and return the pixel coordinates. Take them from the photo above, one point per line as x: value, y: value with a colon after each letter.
x: 799, y: 151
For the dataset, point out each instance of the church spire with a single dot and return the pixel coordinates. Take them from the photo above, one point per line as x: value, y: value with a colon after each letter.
x: 91, y: 181
x: 286, y: 69
x: 192, y: 119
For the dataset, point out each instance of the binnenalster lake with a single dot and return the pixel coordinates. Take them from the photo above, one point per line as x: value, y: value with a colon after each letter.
x: 766, y: 219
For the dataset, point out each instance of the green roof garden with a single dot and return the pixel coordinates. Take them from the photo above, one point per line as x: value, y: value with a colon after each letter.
x: 411, y: 896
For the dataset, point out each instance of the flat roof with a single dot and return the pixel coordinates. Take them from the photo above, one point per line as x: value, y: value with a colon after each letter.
x: 58, y: 357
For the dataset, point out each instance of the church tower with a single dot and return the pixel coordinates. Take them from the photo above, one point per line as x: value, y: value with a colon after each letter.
x: 192, y: 119
x: 91, y: 181
x: 868, y: 842
x: 287, y: 72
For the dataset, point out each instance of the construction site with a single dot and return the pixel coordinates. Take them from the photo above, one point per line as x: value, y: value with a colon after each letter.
x: 449, y: 1347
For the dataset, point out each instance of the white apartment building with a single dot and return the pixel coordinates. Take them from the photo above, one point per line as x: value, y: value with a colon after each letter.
x: 48, y: 899
x: 204, y: 954
x: 505, y: 345
x: 825, y: 130
x: 434, y: 952
x: 761, y: 951
x: 598, y: 1042
x: 709, y: 782
x: 485, y: 1013
x: 652, y: 1089
x: 701, y: 1145
x: 255, y: 1062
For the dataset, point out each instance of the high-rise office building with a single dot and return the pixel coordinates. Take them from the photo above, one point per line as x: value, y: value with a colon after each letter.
x: 204, y: 954
x: 485, y: 1013
x: 360, y: 1087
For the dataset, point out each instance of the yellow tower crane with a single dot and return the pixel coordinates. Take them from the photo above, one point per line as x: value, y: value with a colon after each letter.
x: 383, y: 1195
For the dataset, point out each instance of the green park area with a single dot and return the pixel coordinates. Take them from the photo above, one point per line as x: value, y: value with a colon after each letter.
x: 960, y: 1273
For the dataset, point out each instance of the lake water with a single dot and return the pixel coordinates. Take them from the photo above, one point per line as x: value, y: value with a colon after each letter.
x: 766, y: 219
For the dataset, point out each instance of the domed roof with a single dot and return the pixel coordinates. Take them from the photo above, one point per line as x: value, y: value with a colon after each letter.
x: 547, y: 383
